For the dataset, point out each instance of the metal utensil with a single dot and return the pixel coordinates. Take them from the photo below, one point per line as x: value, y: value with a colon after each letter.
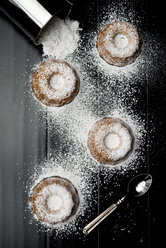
x: 137, y: 186
x: 33, y: 16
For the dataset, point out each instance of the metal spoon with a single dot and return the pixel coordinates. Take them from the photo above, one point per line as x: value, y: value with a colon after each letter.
x: 137, y: 186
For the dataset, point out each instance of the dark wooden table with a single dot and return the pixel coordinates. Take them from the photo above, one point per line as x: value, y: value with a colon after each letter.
x: 25, y: 133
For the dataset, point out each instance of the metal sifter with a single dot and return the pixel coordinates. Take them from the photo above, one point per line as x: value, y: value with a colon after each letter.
x: 33, y: 16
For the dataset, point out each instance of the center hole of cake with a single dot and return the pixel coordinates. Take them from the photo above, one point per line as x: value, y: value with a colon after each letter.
x: 57, y: 82
x: 54, y: 202
x: 112, y: 140
x: 120, y: 41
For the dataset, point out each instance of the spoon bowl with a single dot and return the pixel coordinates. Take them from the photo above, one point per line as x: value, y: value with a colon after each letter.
x: 139, y: 185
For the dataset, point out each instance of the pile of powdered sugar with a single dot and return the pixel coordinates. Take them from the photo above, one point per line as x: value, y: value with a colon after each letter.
x: 60, y: 38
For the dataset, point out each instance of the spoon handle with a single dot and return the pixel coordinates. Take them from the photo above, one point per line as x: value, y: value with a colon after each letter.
x: 87, y: 229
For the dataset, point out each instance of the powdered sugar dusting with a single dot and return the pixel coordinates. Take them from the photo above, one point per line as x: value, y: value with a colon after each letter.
x: 120, y: 41
x: 105, y: 91
x: 112, y: 141
x: 122, y: 46
x: 55, y: 82
x: 63, y: 75
x: 73, y: 168
x: 151, y: 47
x: 76, y: 125
x: 54, y: 203
x: 119, y: 146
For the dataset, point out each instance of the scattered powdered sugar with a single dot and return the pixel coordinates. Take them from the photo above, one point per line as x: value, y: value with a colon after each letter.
x: 83, y: 178
x: 144, y: 68
x: 106, y: 91
x: 73, y: 124
x: 60, y: 38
